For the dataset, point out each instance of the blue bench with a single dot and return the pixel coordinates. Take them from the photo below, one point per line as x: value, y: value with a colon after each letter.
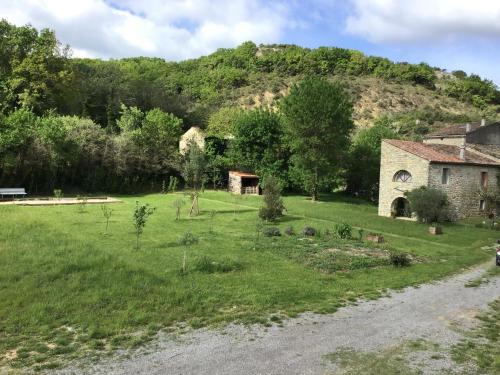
x: 12, y: 192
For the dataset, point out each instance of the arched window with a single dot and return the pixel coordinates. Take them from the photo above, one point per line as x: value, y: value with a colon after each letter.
x: 402, y: 176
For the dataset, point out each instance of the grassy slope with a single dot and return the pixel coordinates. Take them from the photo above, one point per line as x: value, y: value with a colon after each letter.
x: 59, y: 270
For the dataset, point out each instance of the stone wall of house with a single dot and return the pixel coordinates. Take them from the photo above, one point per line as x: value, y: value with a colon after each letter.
x: 487, y: 135
x: 463, y: 185
x: 195, y: 135
x: 453, y: 141
x: 234, y: 183
x: 393, y: 159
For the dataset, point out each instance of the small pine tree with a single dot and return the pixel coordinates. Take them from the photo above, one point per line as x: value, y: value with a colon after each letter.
x: 273, y: 203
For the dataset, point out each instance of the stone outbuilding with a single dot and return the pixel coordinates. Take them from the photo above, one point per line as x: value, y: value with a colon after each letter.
x: 243, y: 183
x: 459, y: 160
x: 194, y: 134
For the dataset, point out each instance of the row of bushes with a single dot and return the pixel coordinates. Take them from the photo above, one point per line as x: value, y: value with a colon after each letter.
x: 342, y: 231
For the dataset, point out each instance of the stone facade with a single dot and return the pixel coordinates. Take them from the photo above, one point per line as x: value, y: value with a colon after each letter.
x: 194, y: 134
x: 243, y: 183
x: 453, y: 141
x: 393, y: 159
x: 462, y: 187
x: 234, y: 183
x: 425, y: 164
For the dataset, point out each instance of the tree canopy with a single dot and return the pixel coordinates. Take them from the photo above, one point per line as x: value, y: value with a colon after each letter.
x: 318, y: 125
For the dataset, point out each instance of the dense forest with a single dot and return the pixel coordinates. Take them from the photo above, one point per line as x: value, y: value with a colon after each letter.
x: 113, y: 125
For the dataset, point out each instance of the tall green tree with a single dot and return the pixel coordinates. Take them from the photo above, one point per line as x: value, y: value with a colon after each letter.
x: 221, y: 123
x: 318, y: 125
x: 258, y: 144
x: 34, y: 68
x: 363, y: 169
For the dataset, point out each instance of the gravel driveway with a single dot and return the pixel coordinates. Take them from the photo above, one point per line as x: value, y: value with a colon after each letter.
x: 429, y: 312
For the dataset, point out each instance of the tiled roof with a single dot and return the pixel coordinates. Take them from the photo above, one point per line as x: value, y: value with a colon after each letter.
x: 454, y: 130
x: 492, y: 150
x: 438, y: 153
x: 243, y: 174
x: 457, y: 130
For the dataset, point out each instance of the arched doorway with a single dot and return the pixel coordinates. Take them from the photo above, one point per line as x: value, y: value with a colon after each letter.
x: 400, y: 207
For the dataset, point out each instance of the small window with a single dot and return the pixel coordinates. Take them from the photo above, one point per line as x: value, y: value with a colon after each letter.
x: 402, y: 176
x: 445, y: 177
x: 482, y: 205
x: 484, y: 179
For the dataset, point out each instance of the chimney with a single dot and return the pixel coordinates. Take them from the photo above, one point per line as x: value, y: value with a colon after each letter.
x: 462, y: 152
x: 483, y: 122
x: 467, y: 127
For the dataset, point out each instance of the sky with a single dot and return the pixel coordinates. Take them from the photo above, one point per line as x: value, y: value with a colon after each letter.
x: 450, y: 34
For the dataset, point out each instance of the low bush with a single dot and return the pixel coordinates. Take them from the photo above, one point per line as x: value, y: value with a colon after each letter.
x: 309, y: 231
x: 343, y: 231
x: 207, y: 265
x: 400, y: 259
x: 271, y: 232
x: 431, y: 205
x: 290, y: 231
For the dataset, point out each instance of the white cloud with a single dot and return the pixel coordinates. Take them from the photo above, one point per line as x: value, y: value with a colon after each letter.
x: 173, y: 29
x: 425, y: 20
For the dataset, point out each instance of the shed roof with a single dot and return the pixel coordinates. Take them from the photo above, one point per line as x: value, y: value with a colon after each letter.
x: 243, y: 174
x: 439, y: 153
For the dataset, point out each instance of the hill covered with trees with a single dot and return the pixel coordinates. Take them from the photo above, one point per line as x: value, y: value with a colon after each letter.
x: 114, y: 124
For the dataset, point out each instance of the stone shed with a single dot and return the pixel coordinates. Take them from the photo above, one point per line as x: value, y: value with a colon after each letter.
x: 243, y: 183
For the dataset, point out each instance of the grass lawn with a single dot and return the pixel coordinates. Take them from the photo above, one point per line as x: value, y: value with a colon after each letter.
x: 67, y: 289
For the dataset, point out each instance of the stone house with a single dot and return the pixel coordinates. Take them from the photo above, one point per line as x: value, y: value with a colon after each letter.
x: 459, y: 160
x: 243, y: 183
x: 194, y: 134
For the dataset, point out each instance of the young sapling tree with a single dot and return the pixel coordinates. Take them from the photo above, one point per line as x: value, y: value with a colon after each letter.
x: 187, y: 240
x: 106, y: 212
x: 82, y: 203
x: 212, y: 216
x: 178, y: 203
x: 193, y: 171
x: 172, y: 184
x: 58, y: 194
x: 141, y: 214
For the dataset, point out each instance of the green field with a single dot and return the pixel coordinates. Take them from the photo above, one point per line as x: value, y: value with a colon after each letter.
x: 67, y: 289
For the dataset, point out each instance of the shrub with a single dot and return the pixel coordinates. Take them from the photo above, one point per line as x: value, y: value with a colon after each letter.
x: 290, y: 231
x: 273, y: 203
x: 207, y: 265
x: 360, y: 233
x: 309, y: 231
x: 343, y: 231
x: 431, y: 205
x: 400, y: 259
x: 271, y: 232
x: 188, y: 239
